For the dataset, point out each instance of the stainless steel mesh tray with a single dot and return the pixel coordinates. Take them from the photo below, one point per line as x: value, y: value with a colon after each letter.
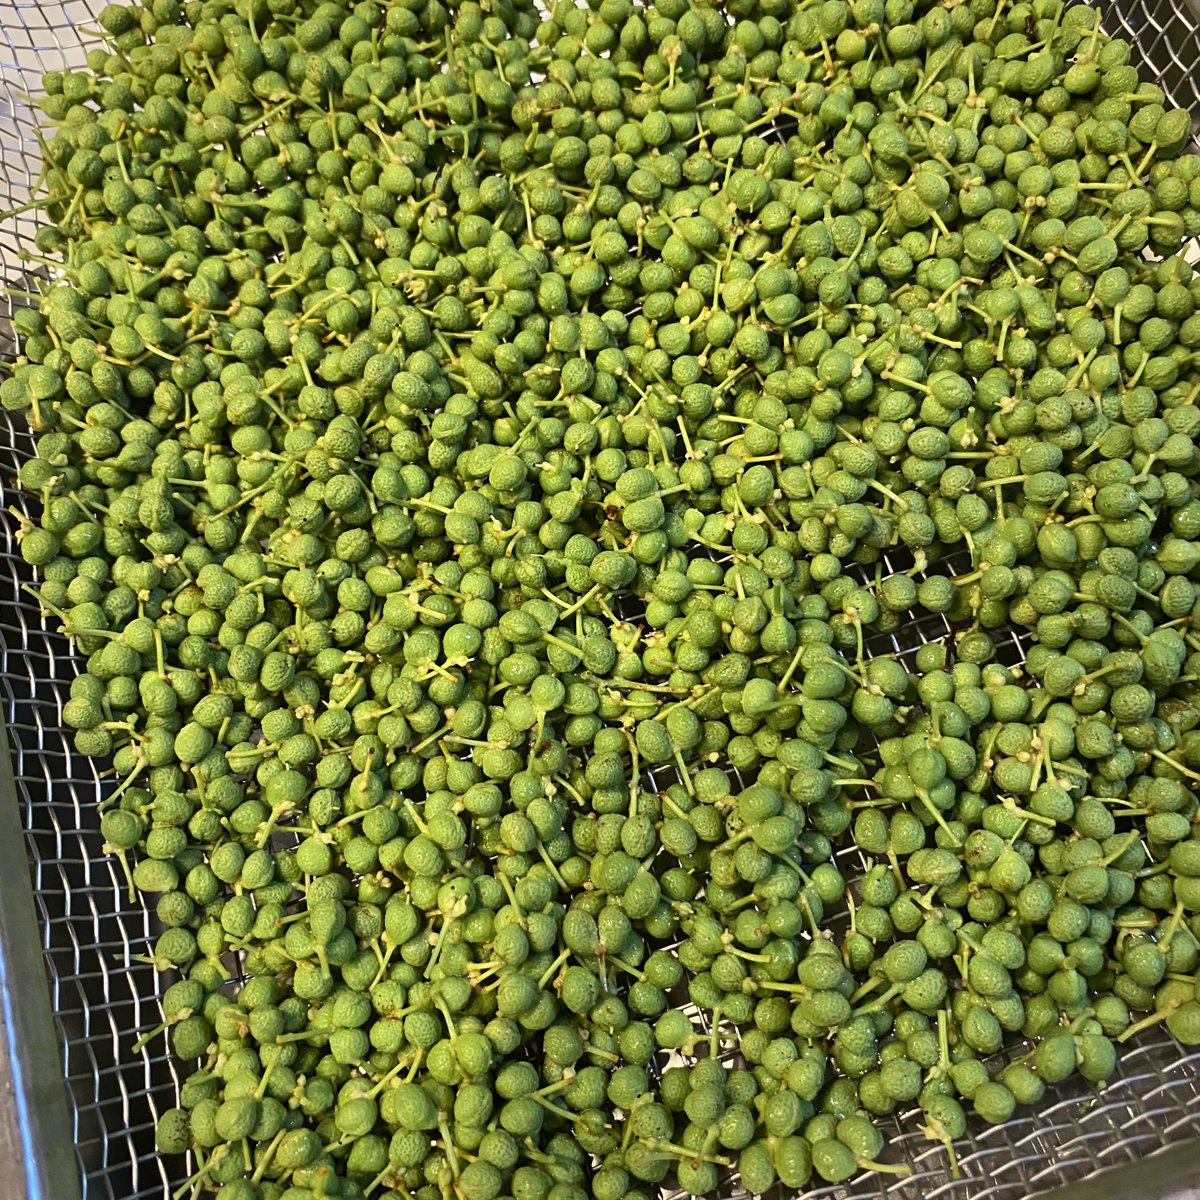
x: 85, y: 932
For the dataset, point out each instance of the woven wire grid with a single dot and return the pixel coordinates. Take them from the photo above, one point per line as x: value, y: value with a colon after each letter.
x: 91, y: 932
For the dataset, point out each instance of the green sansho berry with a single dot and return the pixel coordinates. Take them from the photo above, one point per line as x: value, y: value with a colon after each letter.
x: 497, y: 489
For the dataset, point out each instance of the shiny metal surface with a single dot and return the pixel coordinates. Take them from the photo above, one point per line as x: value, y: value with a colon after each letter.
x: 89, y: 933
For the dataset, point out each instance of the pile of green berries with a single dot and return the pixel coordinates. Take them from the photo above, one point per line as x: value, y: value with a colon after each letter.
x: 483, y: 459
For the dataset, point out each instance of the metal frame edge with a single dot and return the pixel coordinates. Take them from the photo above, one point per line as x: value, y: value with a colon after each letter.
x: 36, y: 1138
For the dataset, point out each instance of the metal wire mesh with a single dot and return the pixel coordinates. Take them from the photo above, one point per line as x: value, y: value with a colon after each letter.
x: 89, y: 929
x: 91, y: 933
